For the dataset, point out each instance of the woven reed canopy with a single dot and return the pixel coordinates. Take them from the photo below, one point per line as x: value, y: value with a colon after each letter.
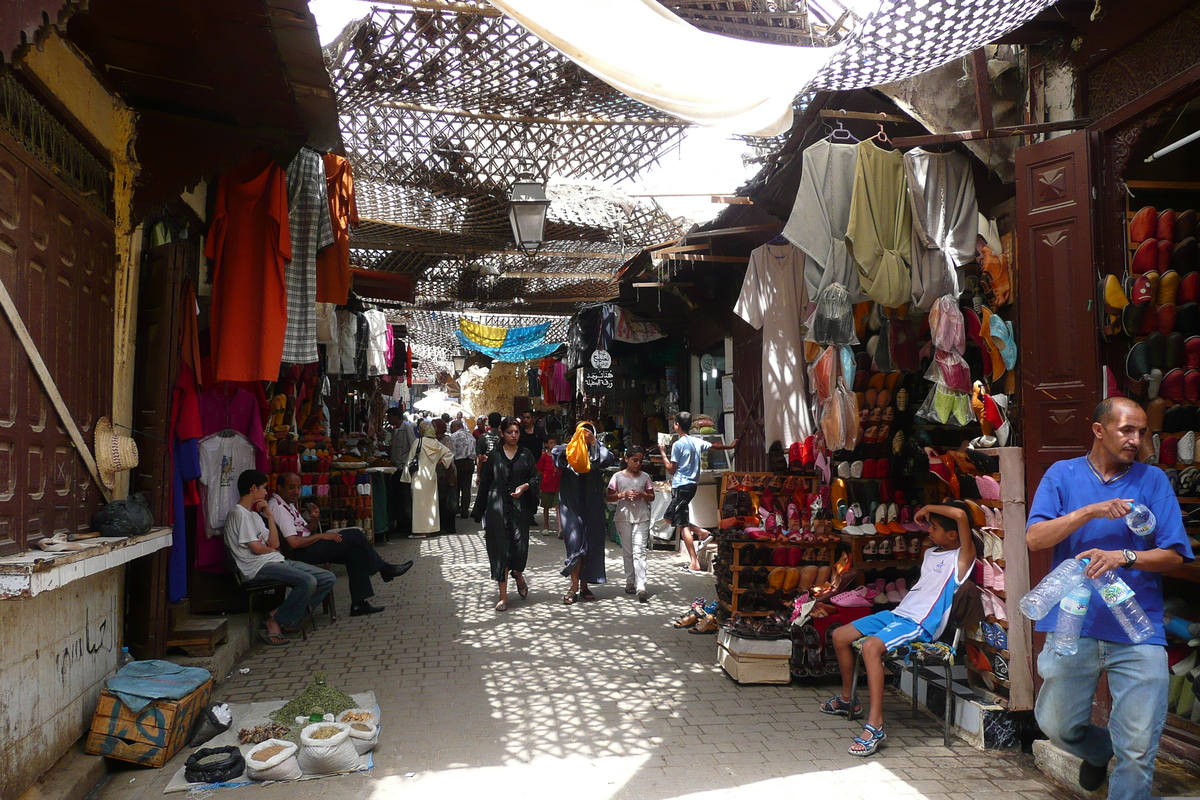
x: 442, y: 107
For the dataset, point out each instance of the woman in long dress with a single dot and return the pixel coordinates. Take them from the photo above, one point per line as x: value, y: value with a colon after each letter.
x: 430, y: 453
x: 581, y: 506
x: 506, y: 503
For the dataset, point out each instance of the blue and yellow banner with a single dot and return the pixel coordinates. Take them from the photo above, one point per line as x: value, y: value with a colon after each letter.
x: 506, y: 344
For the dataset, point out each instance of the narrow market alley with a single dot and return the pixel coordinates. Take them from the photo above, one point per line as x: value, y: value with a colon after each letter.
x: 595, y: 700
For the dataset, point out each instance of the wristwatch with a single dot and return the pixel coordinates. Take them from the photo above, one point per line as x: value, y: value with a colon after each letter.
x: 1130, y: 557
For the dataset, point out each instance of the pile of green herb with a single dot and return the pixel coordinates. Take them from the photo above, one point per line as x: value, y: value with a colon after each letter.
x: 319, y: 695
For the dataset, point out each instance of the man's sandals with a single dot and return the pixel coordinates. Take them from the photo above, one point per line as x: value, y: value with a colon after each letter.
x: 865, y: 747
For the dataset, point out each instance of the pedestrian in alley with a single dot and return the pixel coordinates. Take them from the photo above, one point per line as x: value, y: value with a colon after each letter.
x: 684, y: 467
x: 632, y: 490
x: 254, y: 544
x: 507, y: 501
x: 464, y: 463
x: 920, y: 617
x: 1079, y: 510
x: 420, y: 471
x: 581, y: 508
x: 551, y: 477
x: 347, y: 546
x: 399, y: 493
x: 447, y: 478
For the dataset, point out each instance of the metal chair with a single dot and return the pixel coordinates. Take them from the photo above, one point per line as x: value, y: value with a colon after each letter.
x: 256, y: 588
x: 967, y: 609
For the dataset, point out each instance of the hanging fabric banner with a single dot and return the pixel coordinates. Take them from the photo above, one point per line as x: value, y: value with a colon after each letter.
x: 506, y: 344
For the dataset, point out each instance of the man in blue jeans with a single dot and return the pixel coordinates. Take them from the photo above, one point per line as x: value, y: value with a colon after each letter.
x: 1079, y: 510
x: 683, y: 465
x: 254, y: 544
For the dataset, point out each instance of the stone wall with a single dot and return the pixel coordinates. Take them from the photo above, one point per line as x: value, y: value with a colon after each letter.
x: 56, y: 650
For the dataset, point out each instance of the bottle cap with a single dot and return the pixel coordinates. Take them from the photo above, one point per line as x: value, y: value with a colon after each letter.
x: 1086, y: 561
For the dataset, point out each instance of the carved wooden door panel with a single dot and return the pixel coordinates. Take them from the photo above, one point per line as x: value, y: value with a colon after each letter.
x: 1059, y: 348
x: 56, y: 258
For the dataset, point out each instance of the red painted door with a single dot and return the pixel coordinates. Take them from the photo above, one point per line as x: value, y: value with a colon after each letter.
x: 1058, y: 338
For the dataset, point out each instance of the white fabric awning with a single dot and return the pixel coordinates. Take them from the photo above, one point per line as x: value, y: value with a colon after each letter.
x: 650, y: 54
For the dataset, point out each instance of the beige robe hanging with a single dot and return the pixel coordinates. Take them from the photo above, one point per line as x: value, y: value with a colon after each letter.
x: 879, y: 236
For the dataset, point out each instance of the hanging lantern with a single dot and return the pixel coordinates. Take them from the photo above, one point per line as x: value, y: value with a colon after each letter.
x: 527, y: 206
x: 459, y: 357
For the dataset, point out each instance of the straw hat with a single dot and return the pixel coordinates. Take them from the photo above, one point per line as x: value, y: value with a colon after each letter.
x: 114, y: 452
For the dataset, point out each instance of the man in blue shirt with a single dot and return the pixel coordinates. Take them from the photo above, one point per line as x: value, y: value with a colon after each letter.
x: 684, y: 467
x: 1079, y: 510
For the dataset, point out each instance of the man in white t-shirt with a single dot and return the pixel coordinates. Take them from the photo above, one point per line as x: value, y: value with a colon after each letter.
x: 347, y: 546
x: 254, y: 545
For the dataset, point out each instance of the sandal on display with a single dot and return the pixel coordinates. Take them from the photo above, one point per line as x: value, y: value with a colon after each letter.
x: 707, y: 625
x: 686, y: 621
x: 864, y: 746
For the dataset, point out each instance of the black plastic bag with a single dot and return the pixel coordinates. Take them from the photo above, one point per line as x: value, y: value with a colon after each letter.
x: 214, y: 765
x: 207, y: 726
x: 131, y: 517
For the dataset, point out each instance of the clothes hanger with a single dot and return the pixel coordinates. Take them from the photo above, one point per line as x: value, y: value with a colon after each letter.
x: 882, y: 136
x: 840, y: 134
x: 779, y: 239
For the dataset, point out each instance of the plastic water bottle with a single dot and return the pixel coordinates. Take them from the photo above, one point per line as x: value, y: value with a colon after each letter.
x: 1140, y: 520
x: 1071, y: 613
x: 1054, y: 587
x: 125, y: 658
x: 1121, y: 601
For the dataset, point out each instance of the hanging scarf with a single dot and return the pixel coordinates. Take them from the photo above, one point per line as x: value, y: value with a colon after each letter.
x: 577, y: 450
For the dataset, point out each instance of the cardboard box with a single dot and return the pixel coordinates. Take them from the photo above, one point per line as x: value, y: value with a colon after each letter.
x: 149, y: 738
x: 750, y: 669
x: 756, y: 648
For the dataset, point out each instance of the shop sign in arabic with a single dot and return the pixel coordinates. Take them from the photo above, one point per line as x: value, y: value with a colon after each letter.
x: 597, y: 381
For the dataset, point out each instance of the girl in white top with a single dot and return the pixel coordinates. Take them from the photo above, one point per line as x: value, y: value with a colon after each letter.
x: 632, y: 490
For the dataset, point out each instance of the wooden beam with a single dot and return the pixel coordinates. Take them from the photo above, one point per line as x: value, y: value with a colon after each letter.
x: 994, y: 133
x: 734, y: 231
x: 867, y: 116
x: 707, y: 257
x: 541, y: 301
x: 732, y: 200
x: 983, y: 89
x: 458, y: 112
x: 687, y: 248
x: 658, y: 285
x: 581, y: 276
x: 437, y: 5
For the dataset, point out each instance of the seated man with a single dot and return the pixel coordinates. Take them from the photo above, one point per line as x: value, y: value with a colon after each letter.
x: 255, y: 550
x: 347, y: 546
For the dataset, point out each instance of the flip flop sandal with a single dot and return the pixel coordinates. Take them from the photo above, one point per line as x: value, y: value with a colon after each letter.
x: 570, y: 597
x: 502, y: 606
x: 867, y: 746
x: 273, y: 639
x: 586, y: 594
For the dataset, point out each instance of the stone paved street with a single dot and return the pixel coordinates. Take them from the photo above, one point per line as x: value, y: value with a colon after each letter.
x: 596, y: 700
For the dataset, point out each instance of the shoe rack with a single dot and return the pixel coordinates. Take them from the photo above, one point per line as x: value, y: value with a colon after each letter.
x: 765, y: 586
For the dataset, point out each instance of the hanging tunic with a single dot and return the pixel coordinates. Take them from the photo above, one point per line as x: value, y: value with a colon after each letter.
x: 821, y: 213
x: 505, y: 518
x: 308, y: 218
x: 426, y: 514
x: 249, y: 242
x: 945, y: 221
x: 879, y: 235
x: 581, y: 504
x: 773, y: 299
x: 333, y: 263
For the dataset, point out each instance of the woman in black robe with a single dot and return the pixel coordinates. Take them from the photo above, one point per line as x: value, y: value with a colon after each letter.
x: 581, y: 506
x: 507, y: 501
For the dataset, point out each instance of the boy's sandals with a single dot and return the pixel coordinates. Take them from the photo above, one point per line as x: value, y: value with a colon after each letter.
x: 569, y: 598
x: 865, y: 747
x: 836, y: 705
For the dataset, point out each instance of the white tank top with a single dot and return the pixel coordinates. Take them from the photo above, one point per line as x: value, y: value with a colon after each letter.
x: 928, y: 603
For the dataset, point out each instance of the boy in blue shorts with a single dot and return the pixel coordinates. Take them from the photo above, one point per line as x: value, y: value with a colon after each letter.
x: 920, y: 617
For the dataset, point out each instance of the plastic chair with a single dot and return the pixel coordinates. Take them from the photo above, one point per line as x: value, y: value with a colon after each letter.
x: 967, y: 609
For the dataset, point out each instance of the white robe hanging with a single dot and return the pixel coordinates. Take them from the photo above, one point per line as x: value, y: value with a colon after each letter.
x: 773, y: 299
x: 945, y: 220
x: 817, y: 224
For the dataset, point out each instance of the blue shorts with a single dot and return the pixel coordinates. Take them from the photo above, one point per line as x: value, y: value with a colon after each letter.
x: 893, y: 630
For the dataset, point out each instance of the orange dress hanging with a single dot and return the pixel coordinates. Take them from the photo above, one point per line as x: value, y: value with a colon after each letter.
x: 333, y: 263
x: 250, y: 243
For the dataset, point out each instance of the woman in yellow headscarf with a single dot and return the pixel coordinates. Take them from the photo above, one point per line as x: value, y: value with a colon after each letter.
x: 581, y: 504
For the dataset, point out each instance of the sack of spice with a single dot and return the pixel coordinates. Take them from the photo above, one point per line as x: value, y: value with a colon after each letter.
x: 214, y: 765
x: 358, y: 715
x: 273, y: 760
x: 325, y: 747
x: 364, y: 736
